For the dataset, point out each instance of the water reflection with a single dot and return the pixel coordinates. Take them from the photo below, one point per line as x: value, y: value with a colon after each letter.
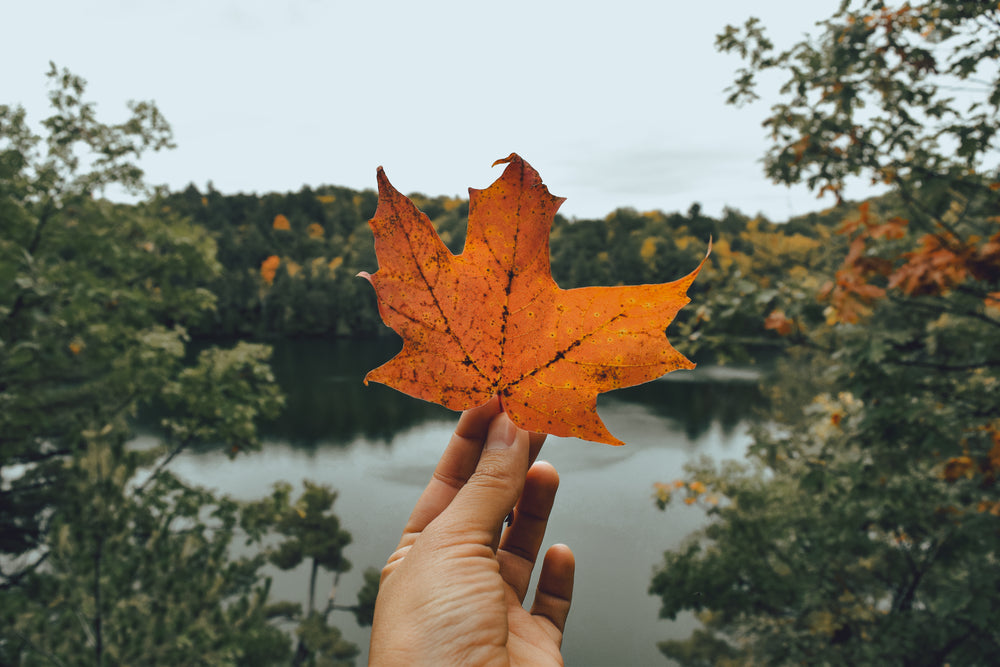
x: 328, y: 403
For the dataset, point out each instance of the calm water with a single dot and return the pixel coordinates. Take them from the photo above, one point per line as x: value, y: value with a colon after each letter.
x: 378, y: 448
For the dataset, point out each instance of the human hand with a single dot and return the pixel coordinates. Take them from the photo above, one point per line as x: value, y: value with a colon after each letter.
x: 451, y: 593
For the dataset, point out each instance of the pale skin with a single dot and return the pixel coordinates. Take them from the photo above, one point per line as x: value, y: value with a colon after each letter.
x: 453, y: 591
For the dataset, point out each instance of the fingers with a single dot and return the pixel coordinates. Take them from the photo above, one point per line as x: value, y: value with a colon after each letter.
x: 519, y: 546
x: 555, y: 590
x: 490, y: 493
x: 456, y: 465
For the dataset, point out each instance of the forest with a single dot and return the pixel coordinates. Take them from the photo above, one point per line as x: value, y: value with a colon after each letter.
x: 869, y: 501
x: 290, y: 261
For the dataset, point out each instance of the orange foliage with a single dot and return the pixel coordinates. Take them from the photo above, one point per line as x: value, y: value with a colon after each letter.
x: 994, y: 453
x: 850, y: 293
x: 493, y: 321
x: 269, y: 267
x: 281, y: 222
x: 850, y: 296
x: 958, y: 466
x: 985, y: 262
x: 315, y: 230
x: 937, y: 267
x: 986, y: 466
x: 941, y: 263
x: 989, y: 507
x: 777, y: 321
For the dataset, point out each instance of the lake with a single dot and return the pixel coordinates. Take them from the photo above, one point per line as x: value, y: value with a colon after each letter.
x: 378, y: 447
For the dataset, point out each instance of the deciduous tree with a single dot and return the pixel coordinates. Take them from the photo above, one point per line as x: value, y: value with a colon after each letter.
x: 865, y: 526
x: 105, y: 556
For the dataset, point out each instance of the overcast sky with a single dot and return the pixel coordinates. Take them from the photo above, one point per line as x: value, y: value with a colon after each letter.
x: 615, y: 103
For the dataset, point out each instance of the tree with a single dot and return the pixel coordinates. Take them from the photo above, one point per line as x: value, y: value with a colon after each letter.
x: 871, y: 507
x: 313, y: 532
x: 105, y: 556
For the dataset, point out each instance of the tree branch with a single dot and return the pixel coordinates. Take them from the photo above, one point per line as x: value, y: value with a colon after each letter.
x: 162, y: 465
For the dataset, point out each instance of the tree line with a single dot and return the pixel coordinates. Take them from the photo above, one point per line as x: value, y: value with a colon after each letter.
x: 289, y: 260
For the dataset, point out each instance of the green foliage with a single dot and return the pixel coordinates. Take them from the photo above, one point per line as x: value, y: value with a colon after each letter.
x: 365, y: 610
x: 323, y: 645
x: 312, y: 533
x: 140, y: 580
x: 870, y: 507
x: 105, y: 556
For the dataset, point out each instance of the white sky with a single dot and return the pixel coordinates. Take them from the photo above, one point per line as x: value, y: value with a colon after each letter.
x: 615, y: 103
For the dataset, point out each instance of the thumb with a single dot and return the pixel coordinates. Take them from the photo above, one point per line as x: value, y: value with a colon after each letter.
x: 493, y: 489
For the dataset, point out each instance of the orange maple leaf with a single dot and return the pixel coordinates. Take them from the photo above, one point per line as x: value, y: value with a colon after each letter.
x: 493, y: 321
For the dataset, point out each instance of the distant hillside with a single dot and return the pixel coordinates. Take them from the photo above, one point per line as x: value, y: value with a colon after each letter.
x: 291, y: 259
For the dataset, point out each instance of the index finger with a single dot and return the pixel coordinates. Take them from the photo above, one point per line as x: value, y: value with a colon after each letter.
x: 456, y: 465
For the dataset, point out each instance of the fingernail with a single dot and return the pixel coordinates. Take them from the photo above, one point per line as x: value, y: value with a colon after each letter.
x: 501, y: 434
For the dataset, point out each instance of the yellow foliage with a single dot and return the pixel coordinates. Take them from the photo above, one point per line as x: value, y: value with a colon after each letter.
x: 293, y: 268
x: 822, y: 623
x: 317, y: 267
x: 801, y: 276
x: 726, y: 258
x: 776, y: 251
x: 452, y: 203
x: 722, y: 253
x: 326, y: 199
x: 661, y: 492
x: 315, y: 231
x: 281, y: 222
x: 335, y: 264
x: 648, y: 250
x: 204, y: 201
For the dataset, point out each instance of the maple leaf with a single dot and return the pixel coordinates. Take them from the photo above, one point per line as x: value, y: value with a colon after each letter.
x: 491, y: 320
